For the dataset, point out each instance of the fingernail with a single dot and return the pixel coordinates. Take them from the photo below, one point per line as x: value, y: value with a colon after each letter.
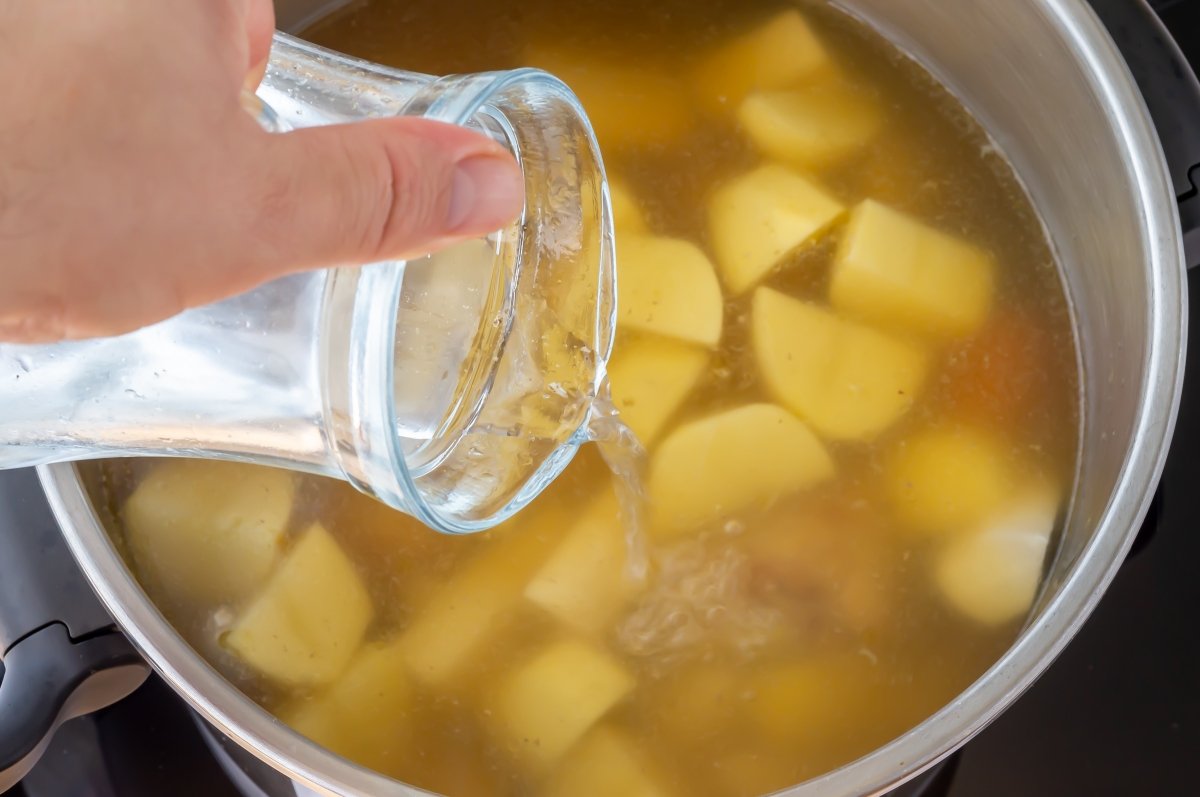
x: 488, y: 192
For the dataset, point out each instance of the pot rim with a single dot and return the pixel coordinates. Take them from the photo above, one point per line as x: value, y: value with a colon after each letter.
x: 226, y: 707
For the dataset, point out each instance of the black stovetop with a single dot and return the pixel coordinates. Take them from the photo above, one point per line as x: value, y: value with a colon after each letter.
x: 1118, y: 713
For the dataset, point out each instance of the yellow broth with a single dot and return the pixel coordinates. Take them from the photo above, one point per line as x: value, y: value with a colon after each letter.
x: 768, y: 644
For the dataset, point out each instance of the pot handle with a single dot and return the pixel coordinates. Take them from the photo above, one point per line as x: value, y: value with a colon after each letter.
x: 1172, y: 94
x: 61, y: 655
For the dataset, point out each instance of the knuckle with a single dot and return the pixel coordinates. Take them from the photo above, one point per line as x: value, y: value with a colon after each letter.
x: 373, y: 188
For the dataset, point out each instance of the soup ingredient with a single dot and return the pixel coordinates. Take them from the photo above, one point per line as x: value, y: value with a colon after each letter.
x: 698, y: 701
x: 894, y: 270
x: 627, y: 213
x: 778, y: 53
x: 650, y: 379
x: 585, y: 582
x: 732, y: 461
x: 847, y: 380
x: 546, y: 704
x: 812, y: 126
x: 668, y: 287
x: 699, y: 605
x: 385, y: 538
x: 802, y: 702
x: 364, y: 714
x: 310, y: 617
x: 945, y: 482
x: 605, y: 764
x: 1000, y: 374
x: 188, y: 520
x: 829, y: 562
x: 471, y: 609
x: 992, y: 575
x: 628, y: 105
x: 758, y: 219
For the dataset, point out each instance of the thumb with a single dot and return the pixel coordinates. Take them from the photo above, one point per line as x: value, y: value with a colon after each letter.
x: 382, y: 189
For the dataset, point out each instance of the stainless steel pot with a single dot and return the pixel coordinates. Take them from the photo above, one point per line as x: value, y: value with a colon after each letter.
x: 1047, y: 81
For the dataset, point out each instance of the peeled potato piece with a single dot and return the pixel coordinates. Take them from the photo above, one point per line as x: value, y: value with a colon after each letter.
x: 944, y: 482
x: 305, y: 625
x: 894, y: 270
x: 847, y: 380
x: 208, y: 532
x: 628, y: 106
x: 811, y: 126
x: 469, y: 610
x: 700, y: 701
x: 668, y: 287
x: 627, y: 214
x: 363, y: 715
x: 586, y: 581
x: 735, y: 460
x: 801, y: 703
x: 547, y: 704
x: 992, y: 575
x: 759, y: 218
x: 605, y: 764
x: 651, y: 377
x: 779, y: 53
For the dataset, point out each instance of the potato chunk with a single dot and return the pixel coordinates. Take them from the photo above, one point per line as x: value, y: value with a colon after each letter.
x: 363, y: 715
x: 605, y: 764
x: 668, y: 287
x: 208, y: 532
x: 698, y: 702
x: 472, y: 608
x: 585, y: 582
x: 759, y: 218
x: 627, y: 213
x: 735, y: 460
x: 847, y: 380
x: 777, y: 54
x: 310, y: 617
x: 812, y: 126
x: 893, y: 270
x: 802, y: 703
x: 944, y: 482
x: 651, y: 377
x: 992, y: 575
x: 628, y: 106
x: 547, y: 704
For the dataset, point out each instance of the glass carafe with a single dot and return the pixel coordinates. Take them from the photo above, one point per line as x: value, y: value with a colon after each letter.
x: 452, y: 387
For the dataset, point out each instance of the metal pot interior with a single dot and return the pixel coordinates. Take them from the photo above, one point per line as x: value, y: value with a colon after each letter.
x: 1085, y: 148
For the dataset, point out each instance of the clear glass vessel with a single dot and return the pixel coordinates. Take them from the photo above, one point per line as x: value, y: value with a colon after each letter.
x: 453, y: 387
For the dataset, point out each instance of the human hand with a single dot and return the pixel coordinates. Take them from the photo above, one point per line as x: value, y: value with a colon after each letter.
x: 134, y: 185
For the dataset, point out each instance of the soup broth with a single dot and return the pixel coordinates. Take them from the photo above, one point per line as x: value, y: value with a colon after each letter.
x: 843, y: 344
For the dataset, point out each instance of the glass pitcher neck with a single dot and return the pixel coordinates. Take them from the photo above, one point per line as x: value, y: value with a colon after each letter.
x: 453, y: 387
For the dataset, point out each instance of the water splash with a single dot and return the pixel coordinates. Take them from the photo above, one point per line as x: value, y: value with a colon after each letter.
x: 700, y: 603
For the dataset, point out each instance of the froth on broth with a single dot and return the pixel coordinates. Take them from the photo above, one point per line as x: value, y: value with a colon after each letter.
x: 845, y: 347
